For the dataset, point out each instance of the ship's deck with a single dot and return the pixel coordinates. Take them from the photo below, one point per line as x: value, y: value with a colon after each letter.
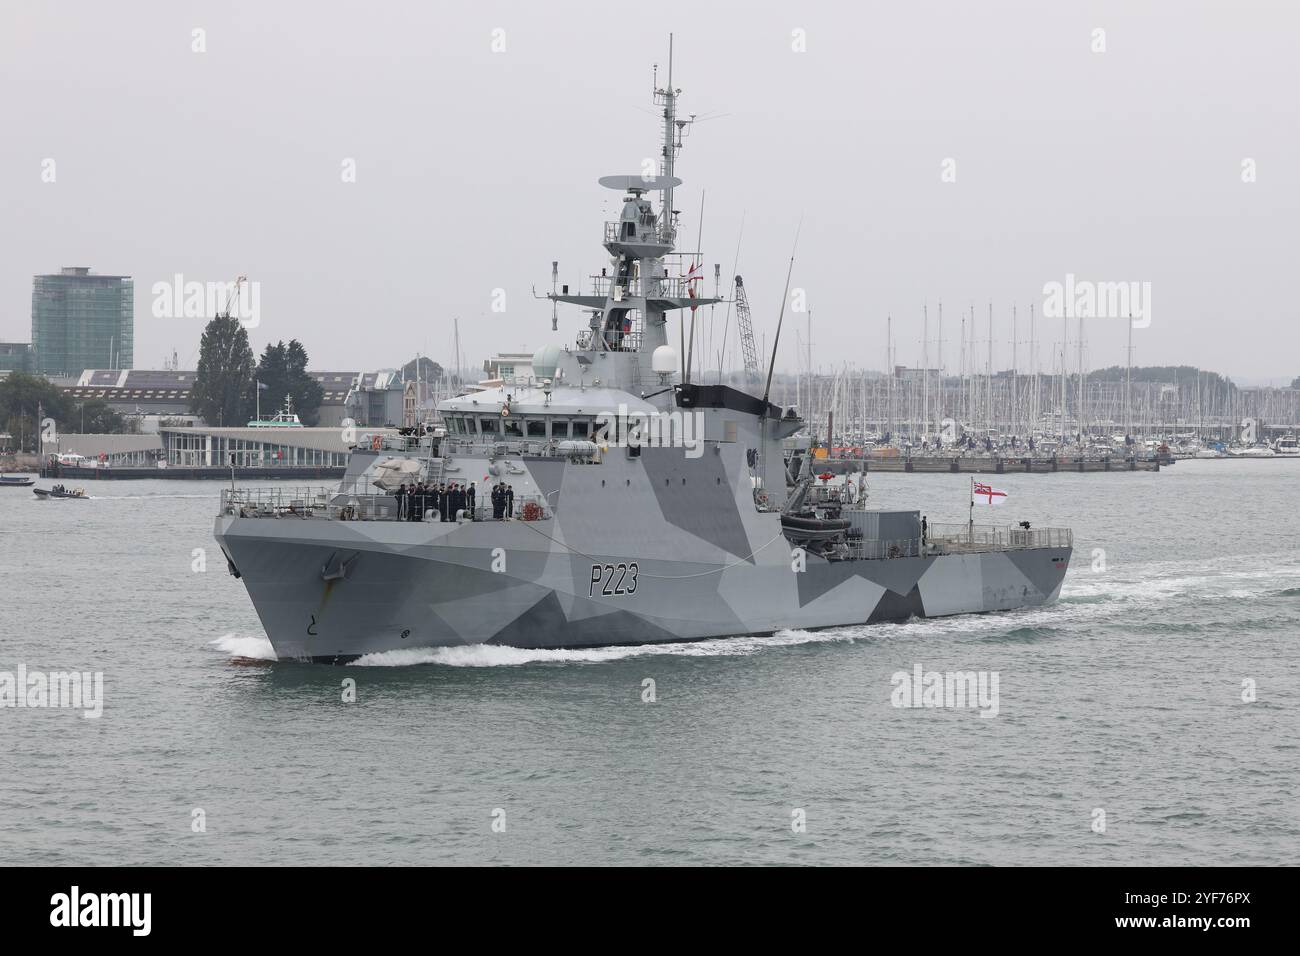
x: 328, y: 504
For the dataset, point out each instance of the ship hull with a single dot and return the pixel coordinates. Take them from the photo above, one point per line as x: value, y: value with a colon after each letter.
x: 331, y: 591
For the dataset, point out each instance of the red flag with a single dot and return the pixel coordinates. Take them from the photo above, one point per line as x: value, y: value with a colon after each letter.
x: 691, y: 279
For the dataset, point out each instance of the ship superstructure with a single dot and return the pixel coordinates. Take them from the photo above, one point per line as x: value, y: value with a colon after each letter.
x: 636, y: 506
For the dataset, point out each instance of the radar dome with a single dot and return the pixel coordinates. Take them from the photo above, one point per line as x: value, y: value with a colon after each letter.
x: 664, y: 360
x: 545, y: 361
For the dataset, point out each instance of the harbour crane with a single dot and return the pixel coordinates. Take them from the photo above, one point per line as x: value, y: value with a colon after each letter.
x: 746, y: 327
x: 233, y: 296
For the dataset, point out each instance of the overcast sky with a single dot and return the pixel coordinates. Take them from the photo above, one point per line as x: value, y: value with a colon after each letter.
x: 474, y: 168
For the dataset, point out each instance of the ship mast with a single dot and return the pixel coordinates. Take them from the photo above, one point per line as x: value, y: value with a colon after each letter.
x: 672, y: 143
x: 645, y: 280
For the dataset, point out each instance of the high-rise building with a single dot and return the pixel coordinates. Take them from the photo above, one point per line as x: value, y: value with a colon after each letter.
x: 82, y: 320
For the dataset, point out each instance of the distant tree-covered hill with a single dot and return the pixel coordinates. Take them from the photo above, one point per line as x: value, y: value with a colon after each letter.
x: 1182, y: 374
x: 430, y: 371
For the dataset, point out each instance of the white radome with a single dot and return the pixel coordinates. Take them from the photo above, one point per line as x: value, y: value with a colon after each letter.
x: 545, y: 361
x: 664, y: 360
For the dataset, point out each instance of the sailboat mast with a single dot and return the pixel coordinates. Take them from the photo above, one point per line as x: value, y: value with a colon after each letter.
x: 1012, y: 417
x: 939, y: 364
x: 1128, y: 382
x: 889, y: 371
x: 925, y: 370
x: 1033, y: 377
x: 1065, y: 331
x: 990, y: 372
x: 1082, y: 420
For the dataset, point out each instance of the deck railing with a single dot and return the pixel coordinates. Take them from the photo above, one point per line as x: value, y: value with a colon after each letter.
x: 965, y: 537
x: 330, y: 504
x: 873, y: 550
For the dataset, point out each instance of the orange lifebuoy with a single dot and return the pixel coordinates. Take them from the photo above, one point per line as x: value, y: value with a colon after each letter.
x: 376, y: 442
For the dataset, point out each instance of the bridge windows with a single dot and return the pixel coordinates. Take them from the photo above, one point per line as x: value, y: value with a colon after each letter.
x: 517, y: 427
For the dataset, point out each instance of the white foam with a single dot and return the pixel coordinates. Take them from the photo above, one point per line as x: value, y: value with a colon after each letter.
x: 1159, y: 580
x: 495, y: 655
x: 257, y: 647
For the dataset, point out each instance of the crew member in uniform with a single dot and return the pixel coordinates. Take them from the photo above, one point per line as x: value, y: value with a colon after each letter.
x: 498, y: 505
x: 510, y: 501
x: 470, y: 495
x: 435, y: 500
x: 400, y: 495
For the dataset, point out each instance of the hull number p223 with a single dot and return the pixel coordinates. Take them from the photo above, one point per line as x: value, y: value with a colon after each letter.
x: 613, y: 579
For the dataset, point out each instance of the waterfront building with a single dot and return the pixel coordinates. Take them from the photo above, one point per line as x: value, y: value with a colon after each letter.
x: 207, y: 447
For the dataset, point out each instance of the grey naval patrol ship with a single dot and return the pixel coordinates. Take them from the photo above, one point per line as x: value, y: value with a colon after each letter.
x: 647, y: 507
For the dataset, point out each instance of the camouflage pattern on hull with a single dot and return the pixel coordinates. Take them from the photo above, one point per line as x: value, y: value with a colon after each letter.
x: 694, y: 567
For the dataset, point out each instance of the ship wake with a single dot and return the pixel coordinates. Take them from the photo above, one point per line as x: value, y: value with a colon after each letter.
x: 495, y: 655
x: 1086, y: 601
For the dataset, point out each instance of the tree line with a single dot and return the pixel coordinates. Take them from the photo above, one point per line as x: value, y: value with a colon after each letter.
x: 26, y: 399
x: 229, y: 382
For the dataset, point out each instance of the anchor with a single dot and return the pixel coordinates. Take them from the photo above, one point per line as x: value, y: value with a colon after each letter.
x: 338, y: 568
